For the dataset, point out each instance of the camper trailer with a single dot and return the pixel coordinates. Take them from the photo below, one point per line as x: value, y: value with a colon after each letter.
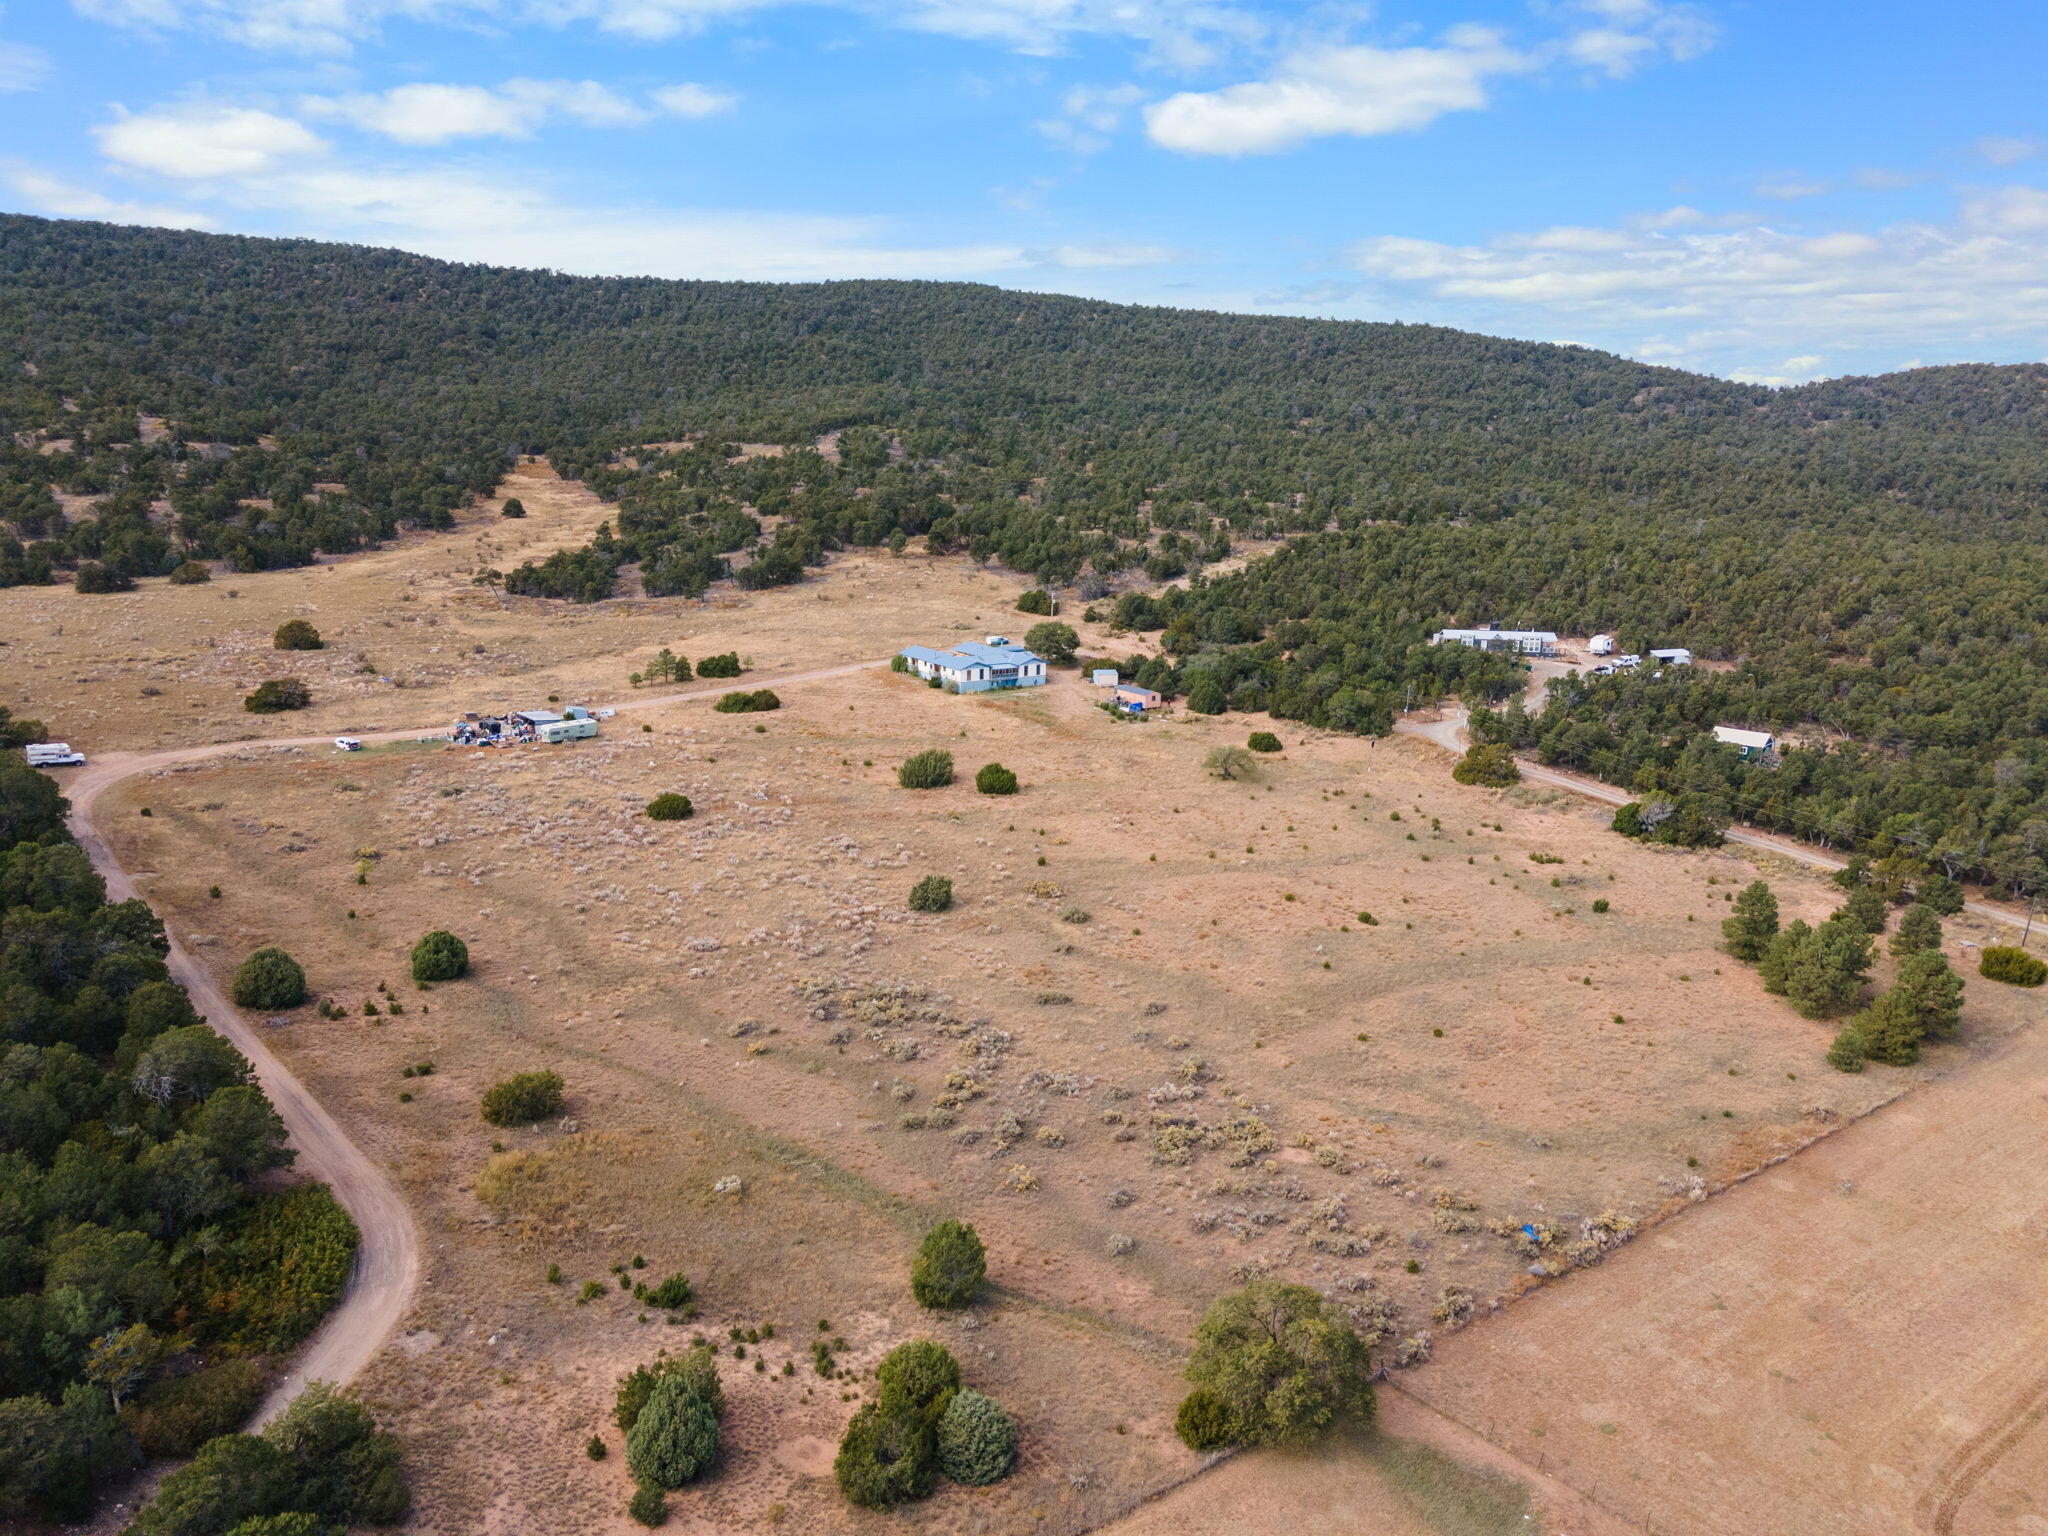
x: 1601, y: 645
x: 54, y: 754
x: 557, y: 731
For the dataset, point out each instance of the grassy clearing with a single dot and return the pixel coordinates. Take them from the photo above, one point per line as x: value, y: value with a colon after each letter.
x: 1451, y: 1496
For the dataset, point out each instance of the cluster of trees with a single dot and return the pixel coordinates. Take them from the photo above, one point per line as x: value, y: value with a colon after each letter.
x: 670, y: 1412
x: 923, y: 1425
x: 140, y: 1274
x: 1822, y: 970
x: 321, y: 1465
x: 1274, y: 1364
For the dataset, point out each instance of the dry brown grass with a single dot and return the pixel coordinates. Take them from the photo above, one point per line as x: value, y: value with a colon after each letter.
x: 745, y: 995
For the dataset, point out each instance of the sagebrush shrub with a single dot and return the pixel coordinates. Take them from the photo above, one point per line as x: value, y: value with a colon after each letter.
x: 297, y: 635
x: 670, y: 807
x: 995, y: 779
x: 1263, y: 741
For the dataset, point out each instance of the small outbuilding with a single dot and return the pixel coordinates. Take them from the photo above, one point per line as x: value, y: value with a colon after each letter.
x: 1748, y: 743
x: 1673, y: 656
x: 1133, y: 700
x: 1601, y: 645
x: 1103, y: 677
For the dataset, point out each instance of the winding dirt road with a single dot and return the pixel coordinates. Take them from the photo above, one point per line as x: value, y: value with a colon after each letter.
x: 387, y: 1268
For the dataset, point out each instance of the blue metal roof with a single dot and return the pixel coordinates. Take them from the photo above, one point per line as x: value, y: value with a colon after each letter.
x: 972, y: 654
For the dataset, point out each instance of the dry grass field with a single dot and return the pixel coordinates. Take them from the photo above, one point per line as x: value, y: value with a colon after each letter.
x: 1155, y: 1046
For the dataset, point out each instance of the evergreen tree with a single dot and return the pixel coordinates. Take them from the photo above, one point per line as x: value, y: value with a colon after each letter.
x: 1919, y: 928
x: 1934, y: 990
x: 1941, y: 893
x: 1754, y: 924
x: 1774, y: 968
x: 1865, y: 909
x: 1890, y: 1029
x: 1828, y: 969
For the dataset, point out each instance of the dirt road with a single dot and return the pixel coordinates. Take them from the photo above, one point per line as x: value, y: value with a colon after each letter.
x: 1447, y: 730
x: 388, y: 1263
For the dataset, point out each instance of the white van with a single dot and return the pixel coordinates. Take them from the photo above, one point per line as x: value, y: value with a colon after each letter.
x: 54, y: 754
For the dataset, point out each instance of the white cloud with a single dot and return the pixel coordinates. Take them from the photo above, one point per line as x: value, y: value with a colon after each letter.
x: 1180, y: 33
x: 692, y: 101
x: 1683, y: 291
x: 435, y: 114
x: 202, y: 140
x: 2000, y: 150
x: 22, y: 68
x: 1790, y: 189
x: 1089, y: 114
x: 1361, y: 91
x: 43, y: 193
x: 1085, y: 258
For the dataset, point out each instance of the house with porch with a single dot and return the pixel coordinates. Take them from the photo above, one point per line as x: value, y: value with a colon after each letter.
x: 969, y: 667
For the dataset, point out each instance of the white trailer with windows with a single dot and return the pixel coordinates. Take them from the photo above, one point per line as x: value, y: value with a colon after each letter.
x: 1601, y: 645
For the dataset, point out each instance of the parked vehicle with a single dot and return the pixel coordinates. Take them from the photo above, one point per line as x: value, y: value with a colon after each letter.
x: 348, y: 743
x: 54, y: 754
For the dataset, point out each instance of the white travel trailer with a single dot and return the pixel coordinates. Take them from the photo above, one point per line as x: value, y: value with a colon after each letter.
x: 1601, y: 645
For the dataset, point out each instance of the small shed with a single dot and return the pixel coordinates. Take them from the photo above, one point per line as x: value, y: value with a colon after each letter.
x: 1133, y: 700
x: 1103, y: 677
x: 1601, y: 645
x: 1673, y: 656
x: 1749, y: 743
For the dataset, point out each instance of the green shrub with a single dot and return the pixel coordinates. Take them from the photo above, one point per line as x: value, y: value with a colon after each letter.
x: 934, y: 893
x: 1263, y: 741
x: 1206, y: 695
x: 1489, y: 764
x: 1203, y: 1422
x: 671, y: 1294
x: 439, y: 956
x: 269, y: 978
x: 929, y: 769
x: 1037, y: 600
x: 648, y: 1506
x: 995, y: 779
x: 278, y: 695
x: 283, y: 1263
x: 977, y: 1440
x: 696, y: 1368
x: 513, y: 507
x: 674, y: 1438
x: 670, y: 807
x: 523, y: 1099
x: 96, y: 578
x: 1601, y: 904
x: 192, y: 573
x: 1284, y: 1363
x: 886, y: 1458
x: 1845, y: 1051
x: 917, y: 1378
x: 595, y: 1448
x: 297, y: 635
x: 725, y: 665
x: 2008, y: 962
x: 177, y: 1414
x: 742, y: 703
x: 950, y: 1266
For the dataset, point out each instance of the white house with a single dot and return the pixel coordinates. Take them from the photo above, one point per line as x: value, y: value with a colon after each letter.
x: 1524, y: 642
x: 971, y: 668
x: 1601, y: 645
x: 1751, y: 743
x: 1673, y: 656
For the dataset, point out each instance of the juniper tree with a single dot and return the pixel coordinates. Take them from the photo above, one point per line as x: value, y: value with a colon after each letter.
x: 1748, y: 932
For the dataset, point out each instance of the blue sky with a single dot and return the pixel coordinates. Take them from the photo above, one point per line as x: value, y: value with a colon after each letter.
x: 1773, y: 191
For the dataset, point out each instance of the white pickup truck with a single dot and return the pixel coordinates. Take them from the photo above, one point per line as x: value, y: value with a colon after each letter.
x: 54, y: 754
